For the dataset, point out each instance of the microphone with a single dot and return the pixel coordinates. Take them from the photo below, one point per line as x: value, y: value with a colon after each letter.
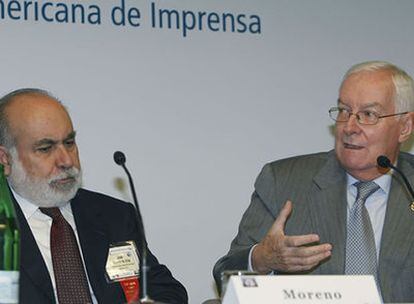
x: 120, y: 160
x: 384, y: 162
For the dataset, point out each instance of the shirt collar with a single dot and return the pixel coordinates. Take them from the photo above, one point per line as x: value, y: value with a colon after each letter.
x: 384, y: 181
x: 29, y: 209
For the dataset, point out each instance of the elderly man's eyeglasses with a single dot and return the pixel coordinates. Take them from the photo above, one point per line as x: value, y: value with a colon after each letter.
x: 366, y: 117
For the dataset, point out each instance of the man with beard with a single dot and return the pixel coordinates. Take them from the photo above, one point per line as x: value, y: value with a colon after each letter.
x: 40, y: 158
x: 337, y: 212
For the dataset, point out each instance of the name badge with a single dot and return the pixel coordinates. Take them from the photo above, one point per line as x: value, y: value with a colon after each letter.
x: 122, y: 261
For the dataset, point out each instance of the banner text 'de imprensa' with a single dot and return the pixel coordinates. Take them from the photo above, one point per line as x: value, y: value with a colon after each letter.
x: 126, y: 13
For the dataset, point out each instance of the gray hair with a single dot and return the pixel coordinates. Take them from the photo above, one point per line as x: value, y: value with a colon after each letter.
x: 403, y: 83
x: 6, y: 137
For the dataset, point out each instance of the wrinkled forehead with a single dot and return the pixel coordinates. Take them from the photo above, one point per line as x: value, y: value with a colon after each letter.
x: 37, y: 116
x: 368, y: 87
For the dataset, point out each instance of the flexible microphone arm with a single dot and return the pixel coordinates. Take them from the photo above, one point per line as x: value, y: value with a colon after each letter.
x: 384, y: 162
x: 120, y: 160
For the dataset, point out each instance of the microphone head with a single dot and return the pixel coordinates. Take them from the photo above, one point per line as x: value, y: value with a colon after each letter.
x: 383, y: 161
x: 119, y: 158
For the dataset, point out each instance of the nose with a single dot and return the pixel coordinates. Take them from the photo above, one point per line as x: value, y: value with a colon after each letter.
x: 64, y: 158
x: 352, y: 126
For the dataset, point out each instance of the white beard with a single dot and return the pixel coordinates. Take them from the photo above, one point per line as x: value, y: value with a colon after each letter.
x: 41, y: 192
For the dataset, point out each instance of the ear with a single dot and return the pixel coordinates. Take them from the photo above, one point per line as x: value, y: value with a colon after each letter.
x: 406, y: 127
x: 5, y: 160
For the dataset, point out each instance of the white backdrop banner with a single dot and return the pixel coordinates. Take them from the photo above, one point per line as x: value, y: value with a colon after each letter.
x: 198, y: 94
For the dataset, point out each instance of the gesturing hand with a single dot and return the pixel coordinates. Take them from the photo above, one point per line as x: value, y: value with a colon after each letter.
x: 283, y: 253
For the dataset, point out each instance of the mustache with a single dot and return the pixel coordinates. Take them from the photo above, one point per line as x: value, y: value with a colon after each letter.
x: 67, y: 173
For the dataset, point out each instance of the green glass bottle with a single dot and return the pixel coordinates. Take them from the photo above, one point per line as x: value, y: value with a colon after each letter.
x: 9, y: 245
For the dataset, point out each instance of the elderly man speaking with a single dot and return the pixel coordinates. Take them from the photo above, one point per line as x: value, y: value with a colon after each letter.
x: 338, y: 212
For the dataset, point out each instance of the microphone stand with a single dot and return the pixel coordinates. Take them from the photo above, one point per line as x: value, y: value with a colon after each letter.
x: 120, y: 159
x: 384, y: 162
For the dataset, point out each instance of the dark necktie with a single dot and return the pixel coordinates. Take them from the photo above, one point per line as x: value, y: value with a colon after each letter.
x: 71, y: 283
x: 361, y: 256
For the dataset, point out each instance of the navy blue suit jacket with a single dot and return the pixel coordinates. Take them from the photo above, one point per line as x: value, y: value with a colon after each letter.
x: 100, y: 221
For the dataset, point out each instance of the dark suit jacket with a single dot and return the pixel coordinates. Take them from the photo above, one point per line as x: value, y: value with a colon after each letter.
x: 316, y: 184
x: 100, y: 221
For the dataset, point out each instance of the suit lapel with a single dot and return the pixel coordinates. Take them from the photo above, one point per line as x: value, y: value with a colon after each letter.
x: 398, y: 232
x: 32, y: 264
x: 94, y: 243
x: 328, y: 212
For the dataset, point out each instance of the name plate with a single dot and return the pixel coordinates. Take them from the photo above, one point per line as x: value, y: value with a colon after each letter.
x: 297, y: 289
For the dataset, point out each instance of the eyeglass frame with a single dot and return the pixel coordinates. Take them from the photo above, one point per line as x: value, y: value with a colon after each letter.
x: 358, y: 117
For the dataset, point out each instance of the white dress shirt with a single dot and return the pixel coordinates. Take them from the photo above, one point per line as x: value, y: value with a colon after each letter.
x: 40, y: 224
